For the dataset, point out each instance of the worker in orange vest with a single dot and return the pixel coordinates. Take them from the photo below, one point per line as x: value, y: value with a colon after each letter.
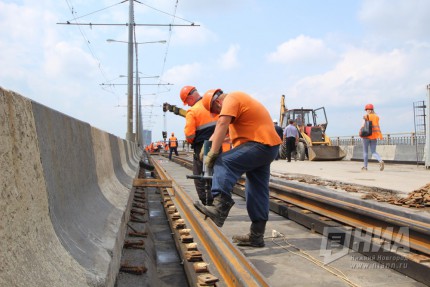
x: 199, y: 126
x: 173, y: 145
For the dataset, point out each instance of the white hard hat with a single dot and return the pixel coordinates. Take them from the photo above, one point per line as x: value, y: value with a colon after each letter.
x: 275, y: 120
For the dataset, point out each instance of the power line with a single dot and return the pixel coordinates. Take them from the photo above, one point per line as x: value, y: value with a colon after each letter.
x: 87, y: 42
x: 76, y: 18
x: 174, y: 15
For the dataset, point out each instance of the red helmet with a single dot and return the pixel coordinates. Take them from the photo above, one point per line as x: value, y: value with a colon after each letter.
x: 186, y: 90
x: 207, y: 98
x: 368, y: 107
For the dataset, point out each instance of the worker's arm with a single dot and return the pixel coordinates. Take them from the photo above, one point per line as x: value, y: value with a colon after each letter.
x: 220, y: 132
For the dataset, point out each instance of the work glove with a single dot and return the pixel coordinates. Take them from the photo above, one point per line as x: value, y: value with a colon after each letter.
x: 210, y: 158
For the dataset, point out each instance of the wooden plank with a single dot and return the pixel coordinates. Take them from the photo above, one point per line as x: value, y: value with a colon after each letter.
x: 151, y: 182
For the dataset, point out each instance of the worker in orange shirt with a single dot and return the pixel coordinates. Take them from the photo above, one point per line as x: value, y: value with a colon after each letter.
x: 199, y: 126
x: 255, y: 146
x: 173, y: 146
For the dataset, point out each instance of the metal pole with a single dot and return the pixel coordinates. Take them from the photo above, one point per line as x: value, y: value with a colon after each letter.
x: 129, y: 135
x: 137, y: 96
x: 427, y: 121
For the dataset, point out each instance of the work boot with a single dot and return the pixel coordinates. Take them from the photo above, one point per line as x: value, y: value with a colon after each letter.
x: 218, y: 212
x: 255, y: 238
x: 206, y: 199
x: 381, y: 165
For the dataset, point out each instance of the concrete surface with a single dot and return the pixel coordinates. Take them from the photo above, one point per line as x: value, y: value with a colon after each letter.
x: 63, y: 207
x: 401, y: 178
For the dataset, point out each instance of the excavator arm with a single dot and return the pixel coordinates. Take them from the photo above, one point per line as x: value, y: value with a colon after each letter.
x: 174, y: 109
x: 282, y: 112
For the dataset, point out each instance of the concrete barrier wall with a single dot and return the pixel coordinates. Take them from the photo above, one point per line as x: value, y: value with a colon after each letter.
x: 65, y: 197
x: 397, y: 153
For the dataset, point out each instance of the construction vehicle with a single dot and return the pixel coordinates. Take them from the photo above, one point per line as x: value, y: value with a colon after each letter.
x: 174, y: 109
x: 313, y: 143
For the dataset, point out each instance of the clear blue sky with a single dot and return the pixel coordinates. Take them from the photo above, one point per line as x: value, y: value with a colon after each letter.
x: 334, y: 53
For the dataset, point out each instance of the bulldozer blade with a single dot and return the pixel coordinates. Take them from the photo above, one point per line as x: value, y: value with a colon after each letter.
x: 323, y: 152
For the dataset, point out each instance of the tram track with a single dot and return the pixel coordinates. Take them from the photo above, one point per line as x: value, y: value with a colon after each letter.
x: 390, y: 231
x: 226, y: 264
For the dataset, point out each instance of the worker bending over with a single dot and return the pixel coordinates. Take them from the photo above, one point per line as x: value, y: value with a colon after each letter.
x: 255, y: 146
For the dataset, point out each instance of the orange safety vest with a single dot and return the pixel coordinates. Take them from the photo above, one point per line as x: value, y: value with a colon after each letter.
x: 200, y: 124
x: 376, y: 130
x: 173, y: 142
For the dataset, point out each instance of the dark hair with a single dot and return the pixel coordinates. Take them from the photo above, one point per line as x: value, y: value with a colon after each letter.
x: 291, y: 121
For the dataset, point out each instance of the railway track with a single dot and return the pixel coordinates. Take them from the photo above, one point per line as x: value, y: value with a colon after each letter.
x: 383, y: 232
x: 208, y: 255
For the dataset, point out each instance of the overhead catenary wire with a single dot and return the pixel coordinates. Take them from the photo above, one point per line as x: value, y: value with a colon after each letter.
x: 173, y: 15
x: 87, y: 42
x: 76, y: 18
x: 165, y: 56
x: 161, y: 84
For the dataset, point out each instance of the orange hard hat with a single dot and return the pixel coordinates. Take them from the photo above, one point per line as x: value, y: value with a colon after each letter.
x: 186, y: 90
x: 207, y: 98
x: 368, y: 107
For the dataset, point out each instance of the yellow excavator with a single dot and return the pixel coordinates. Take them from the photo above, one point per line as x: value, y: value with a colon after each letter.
x: 313, y: 144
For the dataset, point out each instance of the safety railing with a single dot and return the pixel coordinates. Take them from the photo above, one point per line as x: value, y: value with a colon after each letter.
x: 412, y: 140
x: 388, y: 139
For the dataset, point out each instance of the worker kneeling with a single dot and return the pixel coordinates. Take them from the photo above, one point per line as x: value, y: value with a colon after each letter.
x: 255, y: 146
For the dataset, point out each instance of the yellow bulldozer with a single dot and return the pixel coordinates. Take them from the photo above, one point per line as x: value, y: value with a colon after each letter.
x: 313, y: 144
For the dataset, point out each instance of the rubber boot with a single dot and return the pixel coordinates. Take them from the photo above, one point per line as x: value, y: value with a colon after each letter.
x: 218, y: 212
x: 255, y: 238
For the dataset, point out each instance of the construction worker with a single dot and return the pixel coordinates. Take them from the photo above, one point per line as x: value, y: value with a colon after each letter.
x: 255, y: 146
x: 280, y: 133
x: 199, y: 127
x: 372, y: 140
x: 291, y: 135
x: 173, y: 146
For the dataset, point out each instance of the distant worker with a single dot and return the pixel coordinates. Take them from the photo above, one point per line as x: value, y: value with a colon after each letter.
x: 255, y: 146
x: 280, y: 133
x: 173, y: 146
x: 372, y: 139
x: 154, y: 147
x: 199, y: 126
x: 291, y: 139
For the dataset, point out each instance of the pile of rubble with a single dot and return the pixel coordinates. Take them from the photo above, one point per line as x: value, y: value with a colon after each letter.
x: 419, y: 198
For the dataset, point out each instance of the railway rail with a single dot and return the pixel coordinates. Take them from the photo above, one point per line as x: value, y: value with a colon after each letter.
x: 197, y: 238
x: 373, y: 229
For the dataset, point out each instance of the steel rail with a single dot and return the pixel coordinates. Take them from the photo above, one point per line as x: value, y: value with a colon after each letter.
x: 234, y: 268
x: 354, y: 214
x: 357, y: 215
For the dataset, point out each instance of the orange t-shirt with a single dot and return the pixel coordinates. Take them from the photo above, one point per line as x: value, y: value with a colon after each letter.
x: 252, y: 121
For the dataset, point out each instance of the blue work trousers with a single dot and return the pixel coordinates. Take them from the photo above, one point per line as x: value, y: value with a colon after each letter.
x: 372, y: 144
x: 254, y: 160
